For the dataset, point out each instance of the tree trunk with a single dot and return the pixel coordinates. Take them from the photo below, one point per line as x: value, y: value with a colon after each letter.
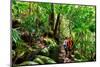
x: 51, y: 17
x: 56, y: 29
x: 57, y: 24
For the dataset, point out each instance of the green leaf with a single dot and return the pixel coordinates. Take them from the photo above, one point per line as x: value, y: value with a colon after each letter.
x: 29, y: 63
x: 46, y: 59
x: 38, y: 60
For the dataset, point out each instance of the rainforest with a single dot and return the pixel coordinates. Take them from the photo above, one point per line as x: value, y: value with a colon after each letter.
x: 52, y: 33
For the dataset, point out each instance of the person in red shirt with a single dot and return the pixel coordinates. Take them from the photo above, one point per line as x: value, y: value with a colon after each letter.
x: 70, y: 46
x: 70, y: 43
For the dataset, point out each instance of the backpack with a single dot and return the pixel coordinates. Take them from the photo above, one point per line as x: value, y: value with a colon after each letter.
x: 69, y: 44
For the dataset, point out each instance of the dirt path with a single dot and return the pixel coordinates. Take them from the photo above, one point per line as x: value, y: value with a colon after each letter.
x: 63, y: 57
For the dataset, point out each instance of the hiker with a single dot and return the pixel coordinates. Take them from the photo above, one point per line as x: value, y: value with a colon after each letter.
x: 65, y: 44
x: 70, y: 46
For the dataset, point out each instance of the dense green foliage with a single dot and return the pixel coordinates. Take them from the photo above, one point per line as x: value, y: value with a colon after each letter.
x: 30, y: 20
